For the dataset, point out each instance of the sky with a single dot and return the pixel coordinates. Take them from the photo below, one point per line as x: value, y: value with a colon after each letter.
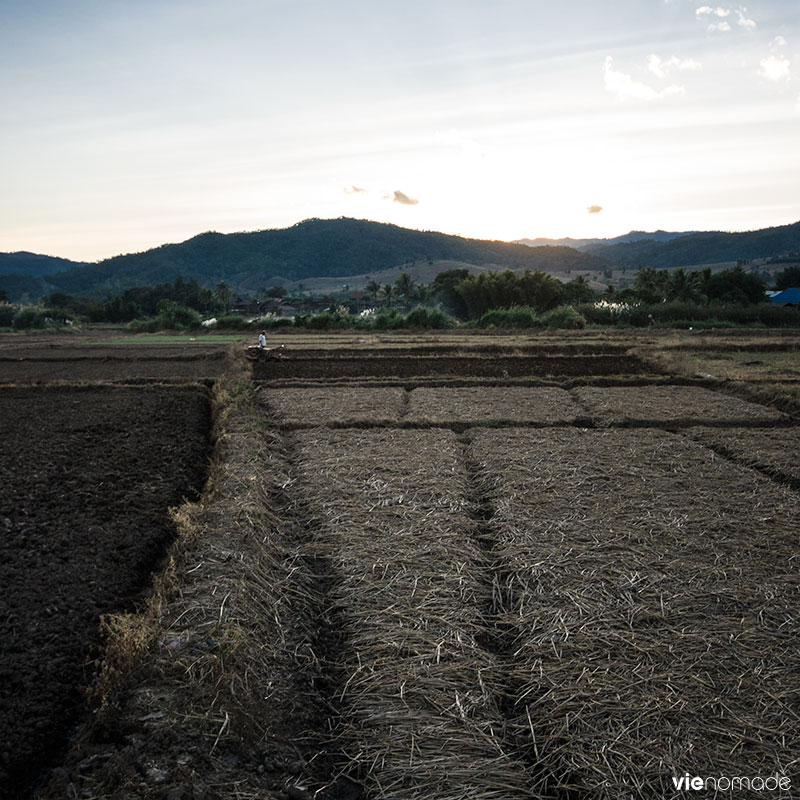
x: 125, y: 125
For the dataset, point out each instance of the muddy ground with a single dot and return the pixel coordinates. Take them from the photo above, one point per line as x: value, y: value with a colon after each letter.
x: 88, y: 476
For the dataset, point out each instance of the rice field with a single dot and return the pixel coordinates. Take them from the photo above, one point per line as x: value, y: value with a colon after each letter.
x: 397, y: 587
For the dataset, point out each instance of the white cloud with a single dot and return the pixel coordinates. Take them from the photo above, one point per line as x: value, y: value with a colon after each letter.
x: 778, y: 41
x: 705, y: 11
x: 721, y: 26
x: 661, y: 68
x: 775, y: 68
x: 745, y: 22
x: 626, y: 88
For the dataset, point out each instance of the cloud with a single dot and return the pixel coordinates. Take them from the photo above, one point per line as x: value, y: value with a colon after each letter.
x: 626, y: 88
x: 706, y: 11
x: 722, y: 26
x: 403, y: 199
x: 594, y: 209
x: 661, y: 68
x: 775, y: 68
x: 745, y: 22
x: 354, y: 190
x: 779, y: 41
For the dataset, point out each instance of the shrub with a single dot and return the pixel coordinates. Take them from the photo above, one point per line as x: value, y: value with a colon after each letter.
x: 173, y: 315
x: 514, y: 317
x: 564, y: 317
x: 235, y: 323
x: 7, y: 315
x: 29, y: 317
x: 430, y: 318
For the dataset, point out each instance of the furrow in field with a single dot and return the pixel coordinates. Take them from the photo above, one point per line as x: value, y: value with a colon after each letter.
x: 389, y: 511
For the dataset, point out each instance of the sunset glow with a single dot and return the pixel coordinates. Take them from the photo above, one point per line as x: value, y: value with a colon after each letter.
x: 127, y: 125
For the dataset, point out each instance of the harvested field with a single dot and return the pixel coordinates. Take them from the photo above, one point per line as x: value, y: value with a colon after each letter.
x: 500, y: 580
x: 105, y: 368
x: 391, y: 516
x: 773, y: 451
x: 88, y: 475
x: 672, y: 405
x: 298, y: 366
x: 651, y: 593
x: 496, y: 404
x: 334, y: 405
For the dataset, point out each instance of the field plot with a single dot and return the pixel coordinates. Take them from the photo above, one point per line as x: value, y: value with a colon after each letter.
x: 498, y: 404
x: 652, y: 592
x: 425, y: 365
x: 88, y: 475
x: 671, y: 405
x: 773, y: 451
x: 104, y: 367
x: 419, y: 716
x: 335, y: 405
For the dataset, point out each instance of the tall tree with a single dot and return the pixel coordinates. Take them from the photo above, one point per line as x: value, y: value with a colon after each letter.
x: 223, y: 295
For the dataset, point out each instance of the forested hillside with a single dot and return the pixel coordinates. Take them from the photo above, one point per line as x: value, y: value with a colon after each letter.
x: 704, y: 248
x: 314, y: 248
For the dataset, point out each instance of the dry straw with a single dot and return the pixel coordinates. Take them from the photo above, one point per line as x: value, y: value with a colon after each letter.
x: 498, y: 404
x: 772, y: 451
x: 340, y: 405
x: 652, y: 592
x: 419, y: 718
x: 674, y: 405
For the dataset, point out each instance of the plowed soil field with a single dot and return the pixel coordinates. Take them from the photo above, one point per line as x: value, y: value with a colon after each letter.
x: 87, y: 477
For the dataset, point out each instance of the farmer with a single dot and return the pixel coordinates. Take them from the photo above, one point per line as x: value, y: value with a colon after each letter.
x: 262, y: 340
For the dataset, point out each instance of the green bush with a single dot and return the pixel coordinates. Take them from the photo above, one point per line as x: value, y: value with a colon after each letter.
x: 429, y: 318
x: 7, y: 313
x: 234, y: 322
x: 388, y: 319
x: 145, y: 325
x: 29, y: 317
x: 174, y: 316
x: 563, y: 317
x: 514, y: 317
x: 326, y: 321
x: 275, y: 322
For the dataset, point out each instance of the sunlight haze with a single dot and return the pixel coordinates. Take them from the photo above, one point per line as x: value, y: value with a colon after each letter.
x: 128, y: 125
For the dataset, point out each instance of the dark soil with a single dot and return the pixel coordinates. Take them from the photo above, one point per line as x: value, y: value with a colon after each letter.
x: 109, y: 365
x: 88, y: 475
x: 423, y: 366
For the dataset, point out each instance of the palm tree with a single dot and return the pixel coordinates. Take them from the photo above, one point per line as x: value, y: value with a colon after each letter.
x: 684, y: 286
x: 386, y: 293
x: 223, y: 294
x: 404, y: 286
x: 372, y: 289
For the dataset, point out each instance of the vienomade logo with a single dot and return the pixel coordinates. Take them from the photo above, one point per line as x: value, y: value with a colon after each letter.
x: 723, y: 783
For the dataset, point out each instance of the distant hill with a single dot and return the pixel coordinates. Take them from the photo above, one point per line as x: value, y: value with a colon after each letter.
x: 596, y: 245
x: 344, y: 250
x: 704, y: 248
x: 23, y: 263
x: 314, y: 248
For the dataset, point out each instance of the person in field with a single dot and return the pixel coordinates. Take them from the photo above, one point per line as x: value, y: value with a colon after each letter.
x: 262, y: 340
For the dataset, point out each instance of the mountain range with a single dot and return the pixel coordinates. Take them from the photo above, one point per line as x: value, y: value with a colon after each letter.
x: 346, y: 247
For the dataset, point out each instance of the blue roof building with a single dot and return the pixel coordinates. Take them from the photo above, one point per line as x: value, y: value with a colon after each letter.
x: 788, y: 297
